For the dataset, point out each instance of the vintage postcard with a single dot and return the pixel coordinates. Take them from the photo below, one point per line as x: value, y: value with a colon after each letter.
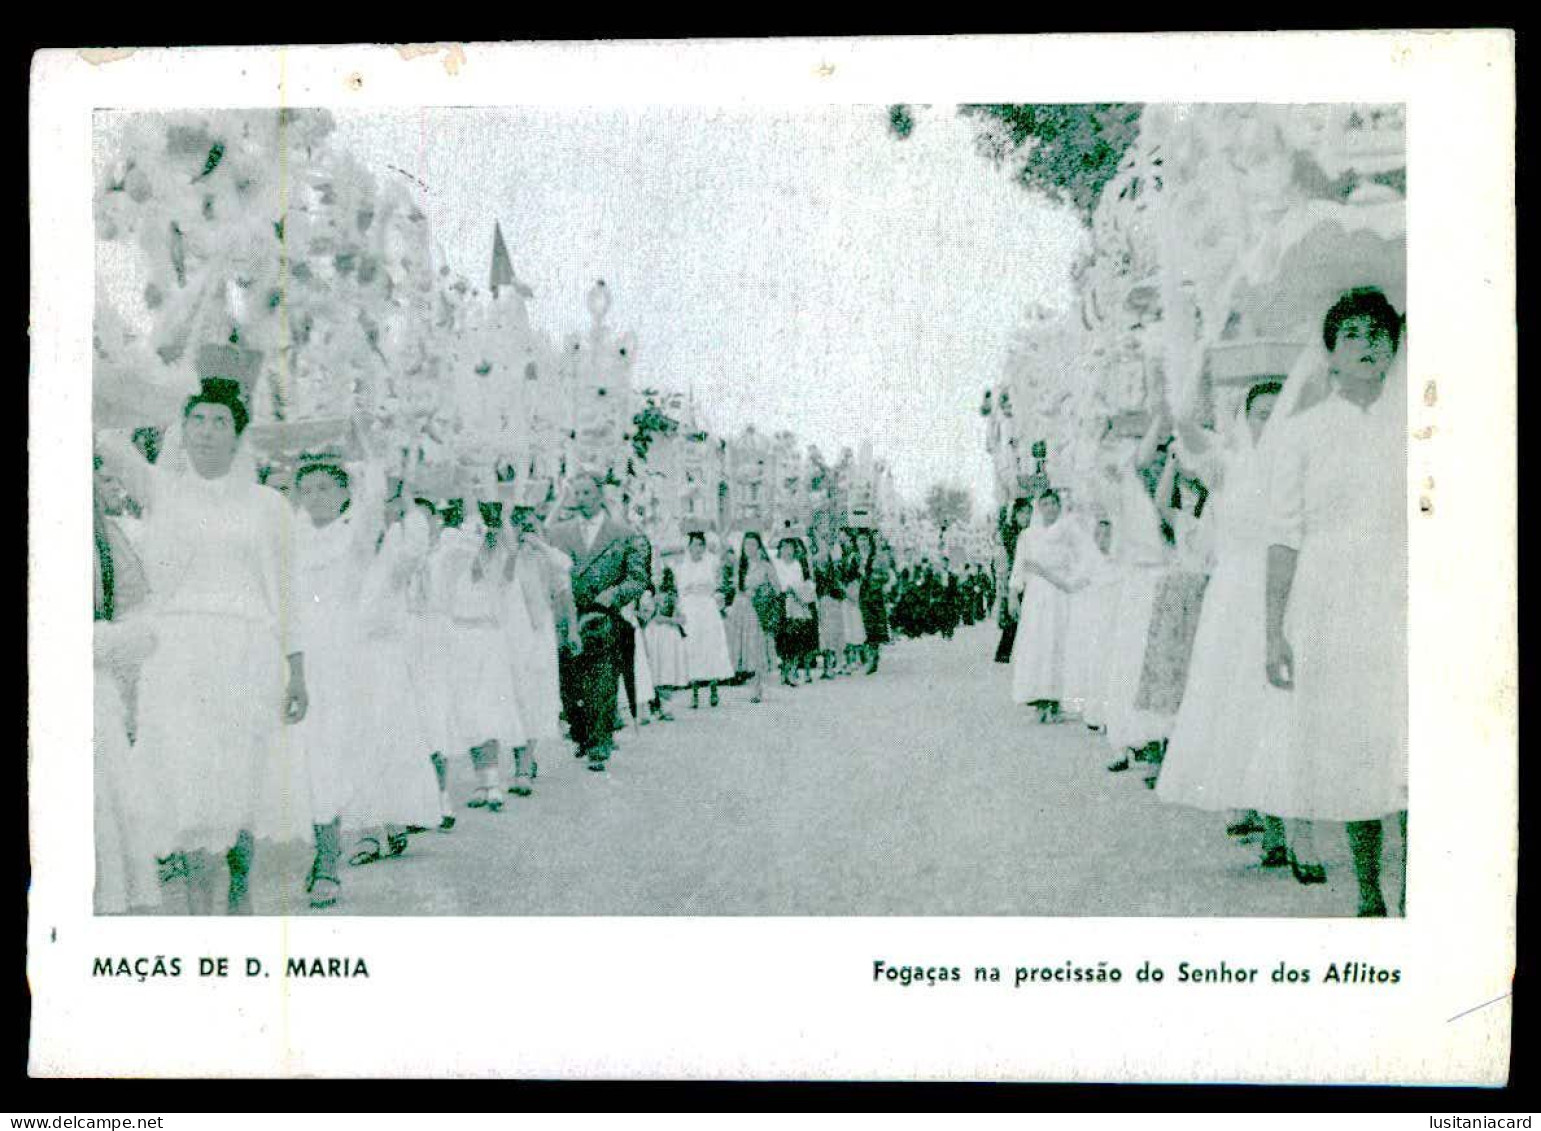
x: 967, y: 558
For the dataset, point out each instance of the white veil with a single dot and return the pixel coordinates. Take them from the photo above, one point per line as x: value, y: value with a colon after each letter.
x: 1308, y: 382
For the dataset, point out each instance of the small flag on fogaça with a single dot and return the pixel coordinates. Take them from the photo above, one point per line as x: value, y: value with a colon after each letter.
x: 503, y: 266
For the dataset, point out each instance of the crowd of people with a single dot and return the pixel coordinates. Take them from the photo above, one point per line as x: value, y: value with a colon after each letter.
x: 1230, y: 614
x: 306, y: 668
x: 1233, y: 616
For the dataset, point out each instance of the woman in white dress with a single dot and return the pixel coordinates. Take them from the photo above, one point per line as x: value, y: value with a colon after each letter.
x: 664, y: 634
x: 365, y: 738
x: 214, y: 695
x: 434, y: 642
x: 484, y: 710
x: 1336, y: 627
x: 1181, y: 501
x: 538, y: 613
x: 1043, y: 577
x: 1091, y: 619
x: 1142, y: 547
x: 854, y: 631
x: 1227, y: 724
x: 700, y: 612
x: 126, y: 875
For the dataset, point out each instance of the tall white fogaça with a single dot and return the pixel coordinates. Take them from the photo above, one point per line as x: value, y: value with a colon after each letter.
x: 596, y: 370
x: 1211, y: 254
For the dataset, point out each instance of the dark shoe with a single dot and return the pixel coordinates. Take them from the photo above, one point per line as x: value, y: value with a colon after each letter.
x: 365, y: 855
x: 322, y: 887
x: 173, y: 867
x: 417, y: 828
x: 238, y: 901
x: 1275, y: 857
x: 1119, y: 766
x: 446, y: 824
x: 1312, y: 874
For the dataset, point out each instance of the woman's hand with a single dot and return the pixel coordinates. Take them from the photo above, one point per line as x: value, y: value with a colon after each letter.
x: 1280, y: 662
x: 296, y: 700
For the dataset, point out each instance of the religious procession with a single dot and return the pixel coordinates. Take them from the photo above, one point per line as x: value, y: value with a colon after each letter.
x: 384, y: 569
x: 1212, y: 574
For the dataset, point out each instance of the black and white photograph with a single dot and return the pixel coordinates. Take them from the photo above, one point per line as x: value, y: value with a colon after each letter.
x: 878, y: 508
x: 899, y: 467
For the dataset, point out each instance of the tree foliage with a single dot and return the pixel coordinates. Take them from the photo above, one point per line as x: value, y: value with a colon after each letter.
x: 654, y: 420
x: 1067, y: 151
x: 948, y: 505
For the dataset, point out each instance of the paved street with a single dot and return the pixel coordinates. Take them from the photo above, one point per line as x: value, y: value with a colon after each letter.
x: 919, y: 791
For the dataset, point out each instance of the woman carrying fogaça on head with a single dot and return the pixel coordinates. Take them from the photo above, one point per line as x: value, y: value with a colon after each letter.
x: 1043, y: 578
x: 229, y: 671
x: 538, y: 615
x: 1336, y: 594
x: 365, y: 736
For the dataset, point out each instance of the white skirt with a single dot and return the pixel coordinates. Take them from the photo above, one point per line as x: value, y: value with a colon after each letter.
x: 706, y: 639
x: 1038, y: 654
x: 332, y: 731
x: 1344, y: 754
x: 391, y: 773
x: 1218, y: 756
x: 537, y: 677
x: 127, y: 878
x: 429, y: 662
x: 483, y: 703
x: 211, y: 738
x: 1128, y: 726
x: 1086, y: 652
x: 667, y: 655
x: 850, y: 617
x: 642, y: 672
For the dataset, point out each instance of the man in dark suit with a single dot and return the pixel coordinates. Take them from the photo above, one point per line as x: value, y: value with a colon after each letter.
x: 609, y: 571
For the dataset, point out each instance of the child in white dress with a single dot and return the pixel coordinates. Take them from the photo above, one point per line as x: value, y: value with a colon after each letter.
x: 667, y: 657
x: 538, y: 613
x: 484, y: 709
